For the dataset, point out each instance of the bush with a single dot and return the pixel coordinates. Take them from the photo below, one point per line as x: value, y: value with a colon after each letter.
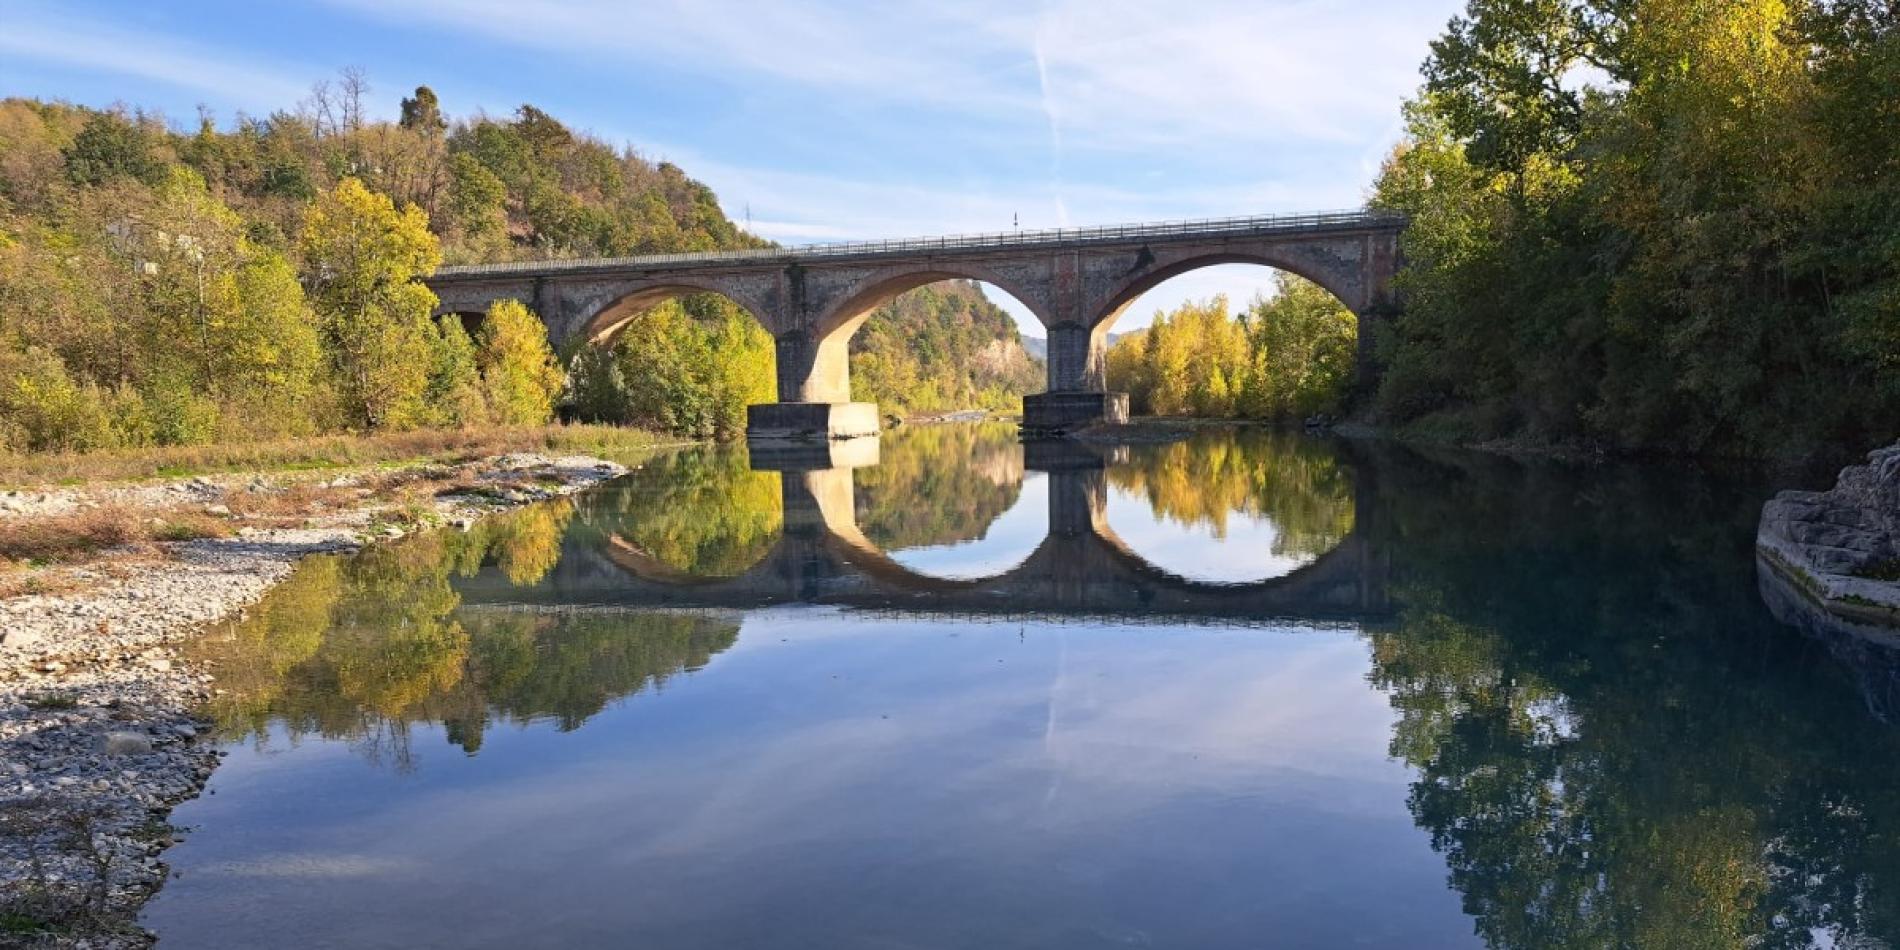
x: 43, y: 410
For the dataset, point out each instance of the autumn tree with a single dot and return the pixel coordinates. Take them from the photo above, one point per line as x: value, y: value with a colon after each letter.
x: 520, y: 378
x: 1289, y: 356
x: 1666, y: 225
x: 362, y: 261
x: 1305, y: 347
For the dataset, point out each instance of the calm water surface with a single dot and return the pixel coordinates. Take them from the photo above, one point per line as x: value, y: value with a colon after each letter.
x: 1250, y: 690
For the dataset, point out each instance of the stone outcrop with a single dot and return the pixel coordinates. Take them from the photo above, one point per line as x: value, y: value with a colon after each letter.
x: 1842, y: 546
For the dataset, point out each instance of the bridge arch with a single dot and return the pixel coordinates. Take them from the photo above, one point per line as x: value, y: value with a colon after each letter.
x: 857, y: 301
x: 1343, y: 286
x: 1341, y: 280
x: 604, y: 323
x: 824, y: 350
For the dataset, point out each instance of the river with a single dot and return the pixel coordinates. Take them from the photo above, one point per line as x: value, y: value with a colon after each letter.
x: 947, y: 690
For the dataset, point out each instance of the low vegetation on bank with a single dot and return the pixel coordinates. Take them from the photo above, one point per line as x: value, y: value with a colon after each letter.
x: 28, y: 470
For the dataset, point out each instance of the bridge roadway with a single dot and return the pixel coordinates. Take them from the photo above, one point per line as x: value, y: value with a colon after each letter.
x: 1081, y: 567
x: 1076, y: 281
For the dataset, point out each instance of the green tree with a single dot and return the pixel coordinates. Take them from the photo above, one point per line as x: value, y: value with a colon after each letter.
x: 454, y: 396
x: 1304, y: 346
x: 362, y: 259
x: 1698, y: 256
x: 688, y: 366
x: 112, y: 146
x: 227, y: 320
x: 423, y: 113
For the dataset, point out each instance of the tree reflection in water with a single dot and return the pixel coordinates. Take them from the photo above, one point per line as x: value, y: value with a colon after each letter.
x: 360, y: 648
x: 1297, y: 483
x: 1615, y: 746
x: 706, y: 513
x: 939, y: 484
x: 703, y: 511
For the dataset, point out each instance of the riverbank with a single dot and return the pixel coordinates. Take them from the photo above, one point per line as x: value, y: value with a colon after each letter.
x: 97, y: 739
x: 24, y: 476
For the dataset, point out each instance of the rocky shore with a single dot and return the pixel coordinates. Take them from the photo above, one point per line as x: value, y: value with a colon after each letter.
x: 97, y: 739
x: 1841, y: 547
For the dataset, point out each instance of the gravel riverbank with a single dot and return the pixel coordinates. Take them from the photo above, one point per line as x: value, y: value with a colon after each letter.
x: 97, y: 741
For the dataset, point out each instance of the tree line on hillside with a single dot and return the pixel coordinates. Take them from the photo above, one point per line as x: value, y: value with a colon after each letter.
x: 260, y: 281
x: 1699, y: 252
x: 1289, y: 355
x: 944, y: 346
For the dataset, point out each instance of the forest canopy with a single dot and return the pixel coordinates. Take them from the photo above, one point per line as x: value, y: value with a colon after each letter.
x: 1695, y: 251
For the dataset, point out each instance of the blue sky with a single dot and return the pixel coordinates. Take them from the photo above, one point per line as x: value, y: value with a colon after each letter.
x: 831, y: 119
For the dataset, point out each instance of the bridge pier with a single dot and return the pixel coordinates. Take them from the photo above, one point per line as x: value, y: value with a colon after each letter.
x: 814, y: 394
x: 1077, y: 382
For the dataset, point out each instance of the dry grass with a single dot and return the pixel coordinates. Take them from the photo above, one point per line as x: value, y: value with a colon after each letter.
x: 19, y: 580
x: 324, y: 452
x: 62, y: 539
x: 291, y: 504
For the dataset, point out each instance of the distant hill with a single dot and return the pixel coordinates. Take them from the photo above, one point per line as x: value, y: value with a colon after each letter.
x: 944, y: 346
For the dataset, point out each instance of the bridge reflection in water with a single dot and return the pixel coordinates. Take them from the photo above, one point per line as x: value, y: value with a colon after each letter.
x: 1081, y: 567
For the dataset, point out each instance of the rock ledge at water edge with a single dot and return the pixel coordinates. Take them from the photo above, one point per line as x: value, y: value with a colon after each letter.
x: 1842, y: 547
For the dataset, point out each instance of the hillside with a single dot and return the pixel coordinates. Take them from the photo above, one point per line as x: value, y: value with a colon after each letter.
x: 945, y: 346
x: 101, y: 353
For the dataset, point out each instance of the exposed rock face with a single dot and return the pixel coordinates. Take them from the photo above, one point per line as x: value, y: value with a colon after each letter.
x: 1842, y: 546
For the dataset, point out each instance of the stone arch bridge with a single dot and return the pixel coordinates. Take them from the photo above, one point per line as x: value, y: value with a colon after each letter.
x: 811, y: 299
x: 1081, y: 567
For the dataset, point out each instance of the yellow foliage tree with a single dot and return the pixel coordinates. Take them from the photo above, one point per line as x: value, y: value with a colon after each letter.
x: 362, y: 259
x: 520, y: 377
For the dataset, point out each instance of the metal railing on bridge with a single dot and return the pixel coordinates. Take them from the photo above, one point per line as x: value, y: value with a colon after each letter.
x: 998, y: 240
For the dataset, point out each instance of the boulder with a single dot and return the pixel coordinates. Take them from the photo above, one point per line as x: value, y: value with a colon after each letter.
x: 1842, y: 546
x: 125, y: 743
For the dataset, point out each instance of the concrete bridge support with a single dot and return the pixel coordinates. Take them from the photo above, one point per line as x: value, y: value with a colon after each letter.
x: 1077, y: 396
x: 814, y: 393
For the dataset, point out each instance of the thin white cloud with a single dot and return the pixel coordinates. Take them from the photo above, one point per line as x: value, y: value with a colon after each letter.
x: 792, y: 204
x: 890, y: 48
x: 1135, y: 74
x: 1053, y: 113
x: 796, y: 231
x: 1108, y: 74
x: 47, y: 36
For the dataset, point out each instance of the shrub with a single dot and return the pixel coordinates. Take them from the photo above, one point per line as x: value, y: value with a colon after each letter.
x: 43, y: 410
